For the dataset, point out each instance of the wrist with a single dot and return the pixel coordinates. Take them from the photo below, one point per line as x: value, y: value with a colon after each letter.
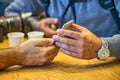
x: 19, y: 55
x: 104, y: 52
x: 97, y: 46
x: 15, y: 58
x: 9, y: 57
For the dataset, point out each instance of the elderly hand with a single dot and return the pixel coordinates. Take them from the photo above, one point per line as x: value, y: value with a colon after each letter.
x: 37, y: 52
x: 45, y: 26
x: 82, y: 44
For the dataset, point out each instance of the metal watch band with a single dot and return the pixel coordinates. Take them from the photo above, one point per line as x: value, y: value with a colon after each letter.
x: 103, y: 52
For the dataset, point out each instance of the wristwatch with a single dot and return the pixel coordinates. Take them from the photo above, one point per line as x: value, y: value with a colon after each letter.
x: 103, y: 52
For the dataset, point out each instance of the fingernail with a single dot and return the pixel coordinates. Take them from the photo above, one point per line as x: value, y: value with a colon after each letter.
x: 51, y: 41
x: 59, y: 31
x: 54, y: 37
x: 56, y: 43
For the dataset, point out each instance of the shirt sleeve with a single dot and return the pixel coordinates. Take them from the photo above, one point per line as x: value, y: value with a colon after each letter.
x: 114, y: 45
x: 18, y: 6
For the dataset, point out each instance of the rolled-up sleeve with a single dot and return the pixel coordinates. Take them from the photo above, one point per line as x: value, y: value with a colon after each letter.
x: 114, y: 45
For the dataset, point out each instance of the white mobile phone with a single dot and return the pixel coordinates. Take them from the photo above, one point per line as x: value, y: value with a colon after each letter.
x: 68, y: 24
x: 69, y: 27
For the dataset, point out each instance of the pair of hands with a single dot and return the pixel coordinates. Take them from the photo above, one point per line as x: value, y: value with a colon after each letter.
x: 36, y: 52
x: 82, y: 44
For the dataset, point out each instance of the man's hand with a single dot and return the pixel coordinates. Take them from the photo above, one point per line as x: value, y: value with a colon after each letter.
x: 45, y: 26
x: 82, y: 44
x: 37, y: 52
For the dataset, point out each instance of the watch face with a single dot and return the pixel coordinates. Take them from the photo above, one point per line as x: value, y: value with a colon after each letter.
x: 103, y: 54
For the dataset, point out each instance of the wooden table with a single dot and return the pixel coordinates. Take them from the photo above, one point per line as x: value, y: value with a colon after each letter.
x: 65, y: 67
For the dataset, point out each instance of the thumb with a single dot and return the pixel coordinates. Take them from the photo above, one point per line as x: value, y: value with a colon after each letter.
x: 78, y: 28
x: 51, y: 20
x: 43, y: 42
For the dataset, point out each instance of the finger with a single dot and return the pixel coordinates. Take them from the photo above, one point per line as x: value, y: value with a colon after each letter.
x: 49, y: 50
x: 46, y: 59
x: 49, y: 53
x: 69, y: 33
x: 68, y: 47
x: 50, y: 58
x: 67, y: 40
x: 70, y: 53
x: 51, y: 20
x: 78, y: 27
x: 42, y: 42
x: 48, y: 30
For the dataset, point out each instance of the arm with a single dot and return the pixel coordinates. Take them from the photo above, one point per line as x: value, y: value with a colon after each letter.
x: 8, y: 57
x: 114, y: 45
x: 31, y: 53
x: 18, y: 6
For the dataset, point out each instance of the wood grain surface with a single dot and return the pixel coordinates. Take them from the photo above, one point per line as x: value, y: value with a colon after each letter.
x: 65, y: 67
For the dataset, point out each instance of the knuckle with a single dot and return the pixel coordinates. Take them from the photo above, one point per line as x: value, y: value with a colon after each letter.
x: 82, y: 45
x: 68, y: 41
x: 66, y: 47
x: 72, y: 34
x: 83, y: 37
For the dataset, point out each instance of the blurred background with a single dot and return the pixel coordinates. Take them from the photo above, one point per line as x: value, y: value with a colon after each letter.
x: 3, y: 5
